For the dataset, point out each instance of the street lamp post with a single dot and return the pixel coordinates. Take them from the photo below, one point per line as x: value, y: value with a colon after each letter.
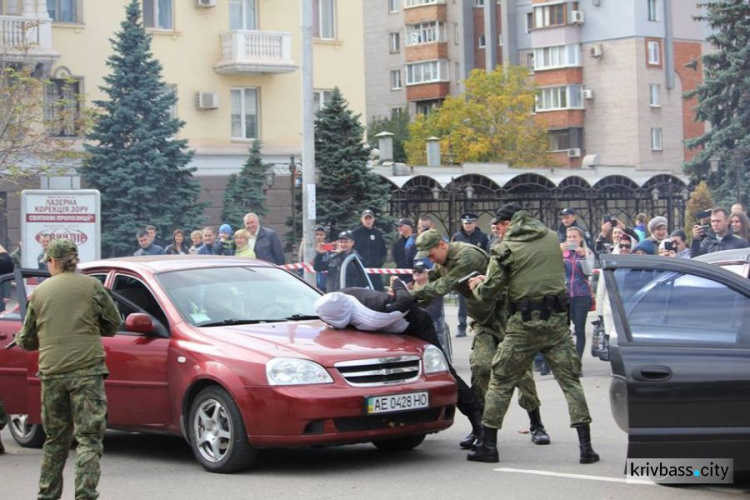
x: 737, y: 167
x: 292, y: 185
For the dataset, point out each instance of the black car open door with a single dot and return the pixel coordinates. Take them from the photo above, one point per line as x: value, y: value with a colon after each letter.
x: 680, y: 351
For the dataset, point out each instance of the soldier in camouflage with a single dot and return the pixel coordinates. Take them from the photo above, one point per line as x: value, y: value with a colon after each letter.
x: 526, y: 267
x: 65, y: 319
x: 455, y: 261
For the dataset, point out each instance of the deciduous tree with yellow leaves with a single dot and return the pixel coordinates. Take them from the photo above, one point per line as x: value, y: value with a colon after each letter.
x: 491, y: 121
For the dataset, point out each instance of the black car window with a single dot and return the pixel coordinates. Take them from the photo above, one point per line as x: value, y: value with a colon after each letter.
x: 136, y: 292
x: 670, y: 307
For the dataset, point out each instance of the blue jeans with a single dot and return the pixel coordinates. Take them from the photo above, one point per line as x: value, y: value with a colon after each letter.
x: 579, y: 311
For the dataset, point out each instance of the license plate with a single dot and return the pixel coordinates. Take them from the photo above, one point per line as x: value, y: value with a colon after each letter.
x: 397, y: 402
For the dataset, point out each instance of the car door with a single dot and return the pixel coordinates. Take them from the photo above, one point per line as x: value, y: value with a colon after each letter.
x: 17, y: 367
x: 137, y: 387
x: 680, y: 356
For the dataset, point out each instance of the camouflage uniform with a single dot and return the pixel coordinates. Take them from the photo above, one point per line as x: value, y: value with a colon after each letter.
x: 65, y: 318
x: 528, y: 264
x: 487, y: 318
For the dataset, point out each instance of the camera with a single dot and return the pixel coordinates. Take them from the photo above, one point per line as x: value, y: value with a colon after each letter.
x: 706, y: 228
x: 670, y: 246
x: 705, y: 214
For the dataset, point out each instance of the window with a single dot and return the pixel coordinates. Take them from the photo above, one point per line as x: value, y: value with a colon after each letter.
x: 429, y: 32
x: 554, y: 98
x: 392, y: 6
x: 457, y: 69
x: 324, y: 19
x: 557, y: 57
x: 652, y: 10
x: 245, y: 113
x: 481, y: 42
x: 530, y: 62
x: 172, y: 89
x: 456, y: 32
x: 670, y: 307
x: 562, y: 140
x: 427, y: 107
x: 62, y: 107
x: 479, y: 3
x: 654, y: 52
x: 63, y: 11
x: 320, y: 98
x: 656, y: 139
x: 529, y: 21
x: 654, y: 95
x: 243, y: 15
x: 426, y: 72
x: 394, y: 42
x: 157, y: 14
x: 417, y: 3
x: 138, y: 293
x: 396, y: 79
x: 549, y: 15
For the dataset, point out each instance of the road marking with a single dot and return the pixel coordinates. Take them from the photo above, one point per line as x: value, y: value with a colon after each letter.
x: 578, y: 476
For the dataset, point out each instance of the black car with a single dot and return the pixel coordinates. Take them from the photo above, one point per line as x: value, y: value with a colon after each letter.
x: 681, y: 355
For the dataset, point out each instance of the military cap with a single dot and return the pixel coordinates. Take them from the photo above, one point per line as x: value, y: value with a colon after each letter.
x: 346, y: 235
x: 506, y: 212
x: 567, y: 211
x: 60, y: 248
x: 426, y: 242
x: 469, y: 217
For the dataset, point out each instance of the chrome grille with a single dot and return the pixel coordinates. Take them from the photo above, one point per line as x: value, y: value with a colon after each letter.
x: 380, y: 371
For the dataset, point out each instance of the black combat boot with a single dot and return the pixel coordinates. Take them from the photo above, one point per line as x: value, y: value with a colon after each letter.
x: 588, y: 455
x: 486, y: 448
x: 538, y: 434
x: 475, y: 418
x: 2, y: 448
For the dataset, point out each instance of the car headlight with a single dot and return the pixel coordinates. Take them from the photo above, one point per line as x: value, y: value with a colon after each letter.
x: 291, y: 371
x: 434, y: 360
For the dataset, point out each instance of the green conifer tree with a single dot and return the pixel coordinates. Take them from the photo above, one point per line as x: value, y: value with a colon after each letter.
x: 347, y: 185
x: 724, y: 101
x: 398, y: 125
x: 244, y: 191
x: 134, y: 157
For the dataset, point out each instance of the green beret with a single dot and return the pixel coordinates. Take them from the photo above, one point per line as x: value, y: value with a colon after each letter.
x: 426, y: 242
x: 62, y: 247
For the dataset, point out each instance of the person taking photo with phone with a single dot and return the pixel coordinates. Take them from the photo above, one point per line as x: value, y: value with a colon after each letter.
x: 579, y: 264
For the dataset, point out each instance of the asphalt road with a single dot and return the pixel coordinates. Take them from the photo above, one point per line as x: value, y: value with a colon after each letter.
x: 139, y: 466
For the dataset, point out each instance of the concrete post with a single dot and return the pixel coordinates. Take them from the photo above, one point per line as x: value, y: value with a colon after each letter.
x: 385, y: 145
x: 433, y: 152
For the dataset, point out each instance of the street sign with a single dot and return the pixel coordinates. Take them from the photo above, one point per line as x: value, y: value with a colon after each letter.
x: 60, y: 213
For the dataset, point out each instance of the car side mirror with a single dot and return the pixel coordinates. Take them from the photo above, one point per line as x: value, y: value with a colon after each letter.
x: 139, y: 322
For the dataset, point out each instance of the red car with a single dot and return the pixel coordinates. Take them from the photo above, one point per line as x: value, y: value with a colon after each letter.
x: 228, y: 353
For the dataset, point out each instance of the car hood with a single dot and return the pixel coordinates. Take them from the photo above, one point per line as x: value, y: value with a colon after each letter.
x: 315, y: 340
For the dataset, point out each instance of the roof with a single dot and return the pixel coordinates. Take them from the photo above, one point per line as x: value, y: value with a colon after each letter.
x: 166, y: 263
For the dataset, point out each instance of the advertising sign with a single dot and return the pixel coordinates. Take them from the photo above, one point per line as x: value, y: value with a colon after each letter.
x: 60, y: 213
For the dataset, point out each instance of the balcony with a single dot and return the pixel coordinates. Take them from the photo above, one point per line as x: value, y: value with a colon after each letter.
x: 26, y: 40
x: 255, y: 52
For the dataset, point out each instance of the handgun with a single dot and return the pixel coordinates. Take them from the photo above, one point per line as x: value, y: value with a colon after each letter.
x: 468, y: 277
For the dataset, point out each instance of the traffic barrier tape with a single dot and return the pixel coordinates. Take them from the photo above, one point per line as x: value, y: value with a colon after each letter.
x: 307, y: 266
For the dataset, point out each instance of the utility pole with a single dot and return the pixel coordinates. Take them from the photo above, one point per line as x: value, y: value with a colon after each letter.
x: 308, y: 136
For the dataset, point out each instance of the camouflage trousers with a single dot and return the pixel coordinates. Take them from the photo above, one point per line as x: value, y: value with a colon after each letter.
x: 72, y: 406
x: 483, y: 351
x: 513, y: 358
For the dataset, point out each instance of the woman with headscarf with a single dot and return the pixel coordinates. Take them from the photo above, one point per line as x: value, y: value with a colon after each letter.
x: 579, y: 265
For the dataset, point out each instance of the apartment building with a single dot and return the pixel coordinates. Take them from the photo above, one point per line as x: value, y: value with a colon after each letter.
x: 234, y: 65
x: 611, y: 74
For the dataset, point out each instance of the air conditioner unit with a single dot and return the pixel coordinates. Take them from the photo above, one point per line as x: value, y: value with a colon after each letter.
x: 587, y: 94
x: 576, y: 16
x: 574, y: 153
x: 206, y: 3
x: 596, y: 50
x: 207, y: 100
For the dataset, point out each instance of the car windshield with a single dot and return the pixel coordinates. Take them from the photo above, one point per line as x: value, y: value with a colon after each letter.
x: 236, y: 295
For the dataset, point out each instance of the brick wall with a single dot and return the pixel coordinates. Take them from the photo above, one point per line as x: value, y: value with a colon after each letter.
x: 560, y: 119
x: 558, y: 77
x: 426, y: 13
x: 686, y: 52
x: 427, y: 91
x: 427, y: 52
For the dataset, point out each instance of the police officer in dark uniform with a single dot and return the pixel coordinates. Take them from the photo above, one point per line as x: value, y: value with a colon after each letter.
x: 528, y: 265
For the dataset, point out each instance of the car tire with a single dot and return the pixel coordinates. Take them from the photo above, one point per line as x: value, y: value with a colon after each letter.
x: 25, y: 434
x: 217, y: 433
x: 400, y: 444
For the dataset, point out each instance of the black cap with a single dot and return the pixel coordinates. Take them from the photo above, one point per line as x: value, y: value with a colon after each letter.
x: 367, y: 212
x: 507, y: 211
x: 346, y: 235
x: 419, y: 267
x: 405, y: 222
x: 320, y: 228
x: 469, y: 217
x: 567, y: 211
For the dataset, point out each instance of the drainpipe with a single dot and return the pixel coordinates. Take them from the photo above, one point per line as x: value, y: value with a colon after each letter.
x: 668, y: 45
